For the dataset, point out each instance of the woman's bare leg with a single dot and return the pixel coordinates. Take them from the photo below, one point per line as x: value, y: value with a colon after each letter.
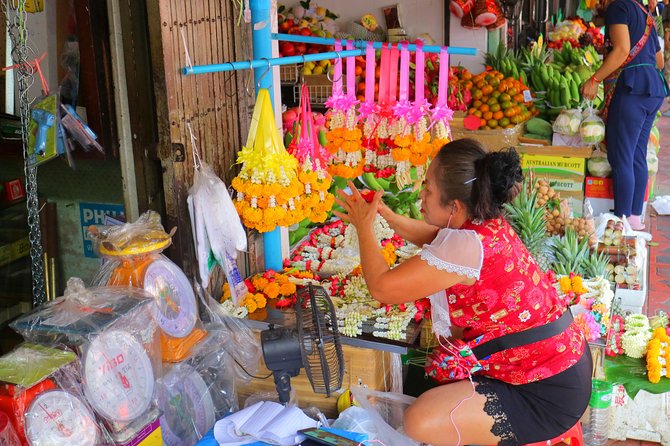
x: 428, y: 420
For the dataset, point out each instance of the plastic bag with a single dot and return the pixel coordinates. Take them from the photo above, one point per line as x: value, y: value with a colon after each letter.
x: 217, y: 228
x: 241, y: 342
x: 567, y: 122
x: 195, y: 393
x: 592, y: 127
x: 652, y: 160
x: 598, y: 165
x: 387, y: 411
x: 52, y: 386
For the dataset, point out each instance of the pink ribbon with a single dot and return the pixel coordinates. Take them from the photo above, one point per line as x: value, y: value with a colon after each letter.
x: 420, y: 106
x: 441, y: 111
x: 403, y: 106
x: 369, y: 106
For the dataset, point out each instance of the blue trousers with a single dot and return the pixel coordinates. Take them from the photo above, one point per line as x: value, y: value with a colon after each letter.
x: 629, y: 122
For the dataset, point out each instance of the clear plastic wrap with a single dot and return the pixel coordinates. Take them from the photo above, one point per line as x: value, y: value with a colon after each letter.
x: 47, y: 406
x: 132, y: 254
x: 567, y: 122
x: 241, y: 342
x: 598, y: 165
x: 592, y: 127
x: 8, y: 435
x: 196, y: 393
x: 217, y: 229
x: 652, y: 160
x: 387, y: 411
x: 114, y: 333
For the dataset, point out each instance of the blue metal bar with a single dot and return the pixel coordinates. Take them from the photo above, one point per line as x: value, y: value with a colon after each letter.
x: 262, y: 44
x: 259, y: 64
x: 461, y: 51
x: 289, y: 60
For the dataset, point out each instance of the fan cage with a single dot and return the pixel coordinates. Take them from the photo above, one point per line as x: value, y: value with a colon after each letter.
x: 319, y: 339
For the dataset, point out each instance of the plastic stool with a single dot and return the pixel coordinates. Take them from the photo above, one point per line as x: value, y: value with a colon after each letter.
x: 573, y: 437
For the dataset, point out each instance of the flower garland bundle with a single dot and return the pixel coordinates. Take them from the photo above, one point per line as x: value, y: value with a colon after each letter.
x: 595, y: 295
x: 269, y: 285
x: 344, y: 138
x: 268, y: 190
x: 616, y: 330
x: 572, y: 287
x: 636, y: 336
x: 658, y: 356
x: 312, y: 159
x: 589, y: 326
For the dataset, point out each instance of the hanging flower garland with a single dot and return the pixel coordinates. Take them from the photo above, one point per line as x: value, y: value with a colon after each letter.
x: 441, y: 114
x: 368, y: 112
x: 658, y: 356
x: 268, y: 190
x: 312, y: 159
x: 344, y: 137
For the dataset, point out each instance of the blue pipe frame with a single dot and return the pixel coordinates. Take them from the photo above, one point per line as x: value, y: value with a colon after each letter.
x: 262, y: 37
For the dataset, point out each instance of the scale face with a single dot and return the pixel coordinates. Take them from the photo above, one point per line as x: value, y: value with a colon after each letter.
x: 56, y: 418
x: 188, y: 408
x: 176, y: 310
x: 118, y: 377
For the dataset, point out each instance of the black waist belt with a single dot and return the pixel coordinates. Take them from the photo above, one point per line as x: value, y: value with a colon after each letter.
x: 525, y: 337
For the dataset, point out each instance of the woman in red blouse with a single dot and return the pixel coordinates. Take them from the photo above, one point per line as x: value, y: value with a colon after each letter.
x: 532, y: 377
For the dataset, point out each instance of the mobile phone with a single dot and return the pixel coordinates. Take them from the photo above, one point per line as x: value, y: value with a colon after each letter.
x: 320, y: 436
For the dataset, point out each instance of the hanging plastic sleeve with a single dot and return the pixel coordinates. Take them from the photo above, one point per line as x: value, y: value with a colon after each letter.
x: 351, y: 72
x: 393, y: 67
x: 419, y: 79
x: 384, y: 76
x: 337, y: 81
x: 442, y: 112
x: 238, y: 289
x: 370, y: 62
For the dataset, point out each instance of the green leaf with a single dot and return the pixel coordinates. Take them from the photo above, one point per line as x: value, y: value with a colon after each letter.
x: 632, y: 373
x: 331, y: 15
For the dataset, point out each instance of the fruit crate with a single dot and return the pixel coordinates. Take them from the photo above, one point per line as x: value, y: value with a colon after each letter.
x: 492, y: 140
x: 290, y: 74
x: 319, y: 86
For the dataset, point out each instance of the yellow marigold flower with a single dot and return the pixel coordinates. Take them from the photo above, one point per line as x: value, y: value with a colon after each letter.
x: 565, y: 284
x: 418, y: 159
x: 260, y: 300
x: 226, y: 292
x: 259, y: 282
x: 272, y: 290
x: 287, y: 289
x: 251, y: 305
x: 400, y: 154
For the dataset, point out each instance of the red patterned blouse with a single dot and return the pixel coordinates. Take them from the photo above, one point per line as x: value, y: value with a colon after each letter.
x: 511, y: 294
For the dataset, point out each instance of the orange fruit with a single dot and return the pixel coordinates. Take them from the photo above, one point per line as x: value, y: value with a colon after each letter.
x: 472, y: 110
x: 359, y: 70
x: 477, y: 113
x: 477, y: 93
x: 492, y: 123
x: 484, y: 108
x: 477, y: 103
x: 487, y: 89
x: 518, y: 98
x: 482, y: 123
x: 512, y: 91
x: 503, y: 121
x: 495, y: 108
x: 498, y: 115
x: 492, y: 101
x: 488, y: 115
x: 496, y: 94
x: 505, y: 97
x: 361, y: 86
x: 360, y: 98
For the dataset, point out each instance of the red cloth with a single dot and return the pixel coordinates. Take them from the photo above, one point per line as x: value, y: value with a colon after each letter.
x: 512, y: 294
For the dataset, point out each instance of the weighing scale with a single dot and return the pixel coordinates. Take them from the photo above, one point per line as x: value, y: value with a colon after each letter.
x: 187, y: 405
x: 57, y: 417
x: 141, y: 265
x: 26, y: 375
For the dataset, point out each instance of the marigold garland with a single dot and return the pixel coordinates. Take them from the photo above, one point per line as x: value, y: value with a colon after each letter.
x: 345, y: 144
x: 658, y: 356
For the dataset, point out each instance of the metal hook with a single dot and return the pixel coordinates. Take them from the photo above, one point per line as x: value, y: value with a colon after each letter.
x: 247, y: 80
x: 302, y: 78
x: 266, y: 71
x: 229, y: 82
x: 328, y: 72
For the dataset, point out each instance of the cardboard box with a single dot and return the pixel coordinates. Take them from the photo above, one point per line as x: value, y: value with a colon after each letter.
x: 600, y: 194
x: 565, y: 174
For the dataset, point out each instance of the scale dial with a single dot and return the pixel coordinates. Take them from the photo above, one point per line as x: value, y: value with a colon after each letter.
x: 118, y: 377
x: 176, y: 310
x: 187, y: 405
x: 56, y: 418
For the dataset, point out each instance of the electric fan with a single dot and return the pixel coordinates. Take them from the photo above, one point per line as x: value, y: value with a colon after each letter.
x: 314, y: 343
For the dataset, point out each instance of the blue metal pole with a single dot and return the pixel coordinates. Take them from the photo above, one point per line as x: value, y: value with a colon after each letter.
x: 456, y: 50
x: 262, y: 44
x: 263, y: 63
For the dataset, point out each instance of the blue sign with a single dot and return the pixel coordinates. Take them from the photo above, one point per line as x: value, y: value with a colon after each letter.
x: 95, y: 214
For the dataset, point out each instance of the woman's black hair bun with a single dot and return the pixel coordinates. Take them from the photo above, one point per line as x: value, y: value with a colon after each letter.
x: 505, y: 175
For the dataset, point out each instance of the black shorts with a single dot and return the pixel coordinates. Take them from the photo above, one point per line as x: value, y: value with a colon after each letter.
x: 540, y: 410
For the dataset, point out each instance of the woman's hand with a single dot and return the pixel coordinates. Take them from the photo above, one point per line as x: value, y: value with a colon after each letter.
x: 358, y: 211
x: 590, y: 89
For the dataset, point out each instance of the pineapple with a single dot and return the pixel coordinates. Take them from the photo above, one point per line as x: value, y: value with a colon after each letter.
x: 528, y: 221
x: 596, y: 264
x: 570, y: 253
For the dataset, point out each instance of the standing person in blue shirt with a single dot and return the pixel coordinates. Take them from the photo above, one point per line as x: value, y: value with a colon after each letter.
x: 634, y: 91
